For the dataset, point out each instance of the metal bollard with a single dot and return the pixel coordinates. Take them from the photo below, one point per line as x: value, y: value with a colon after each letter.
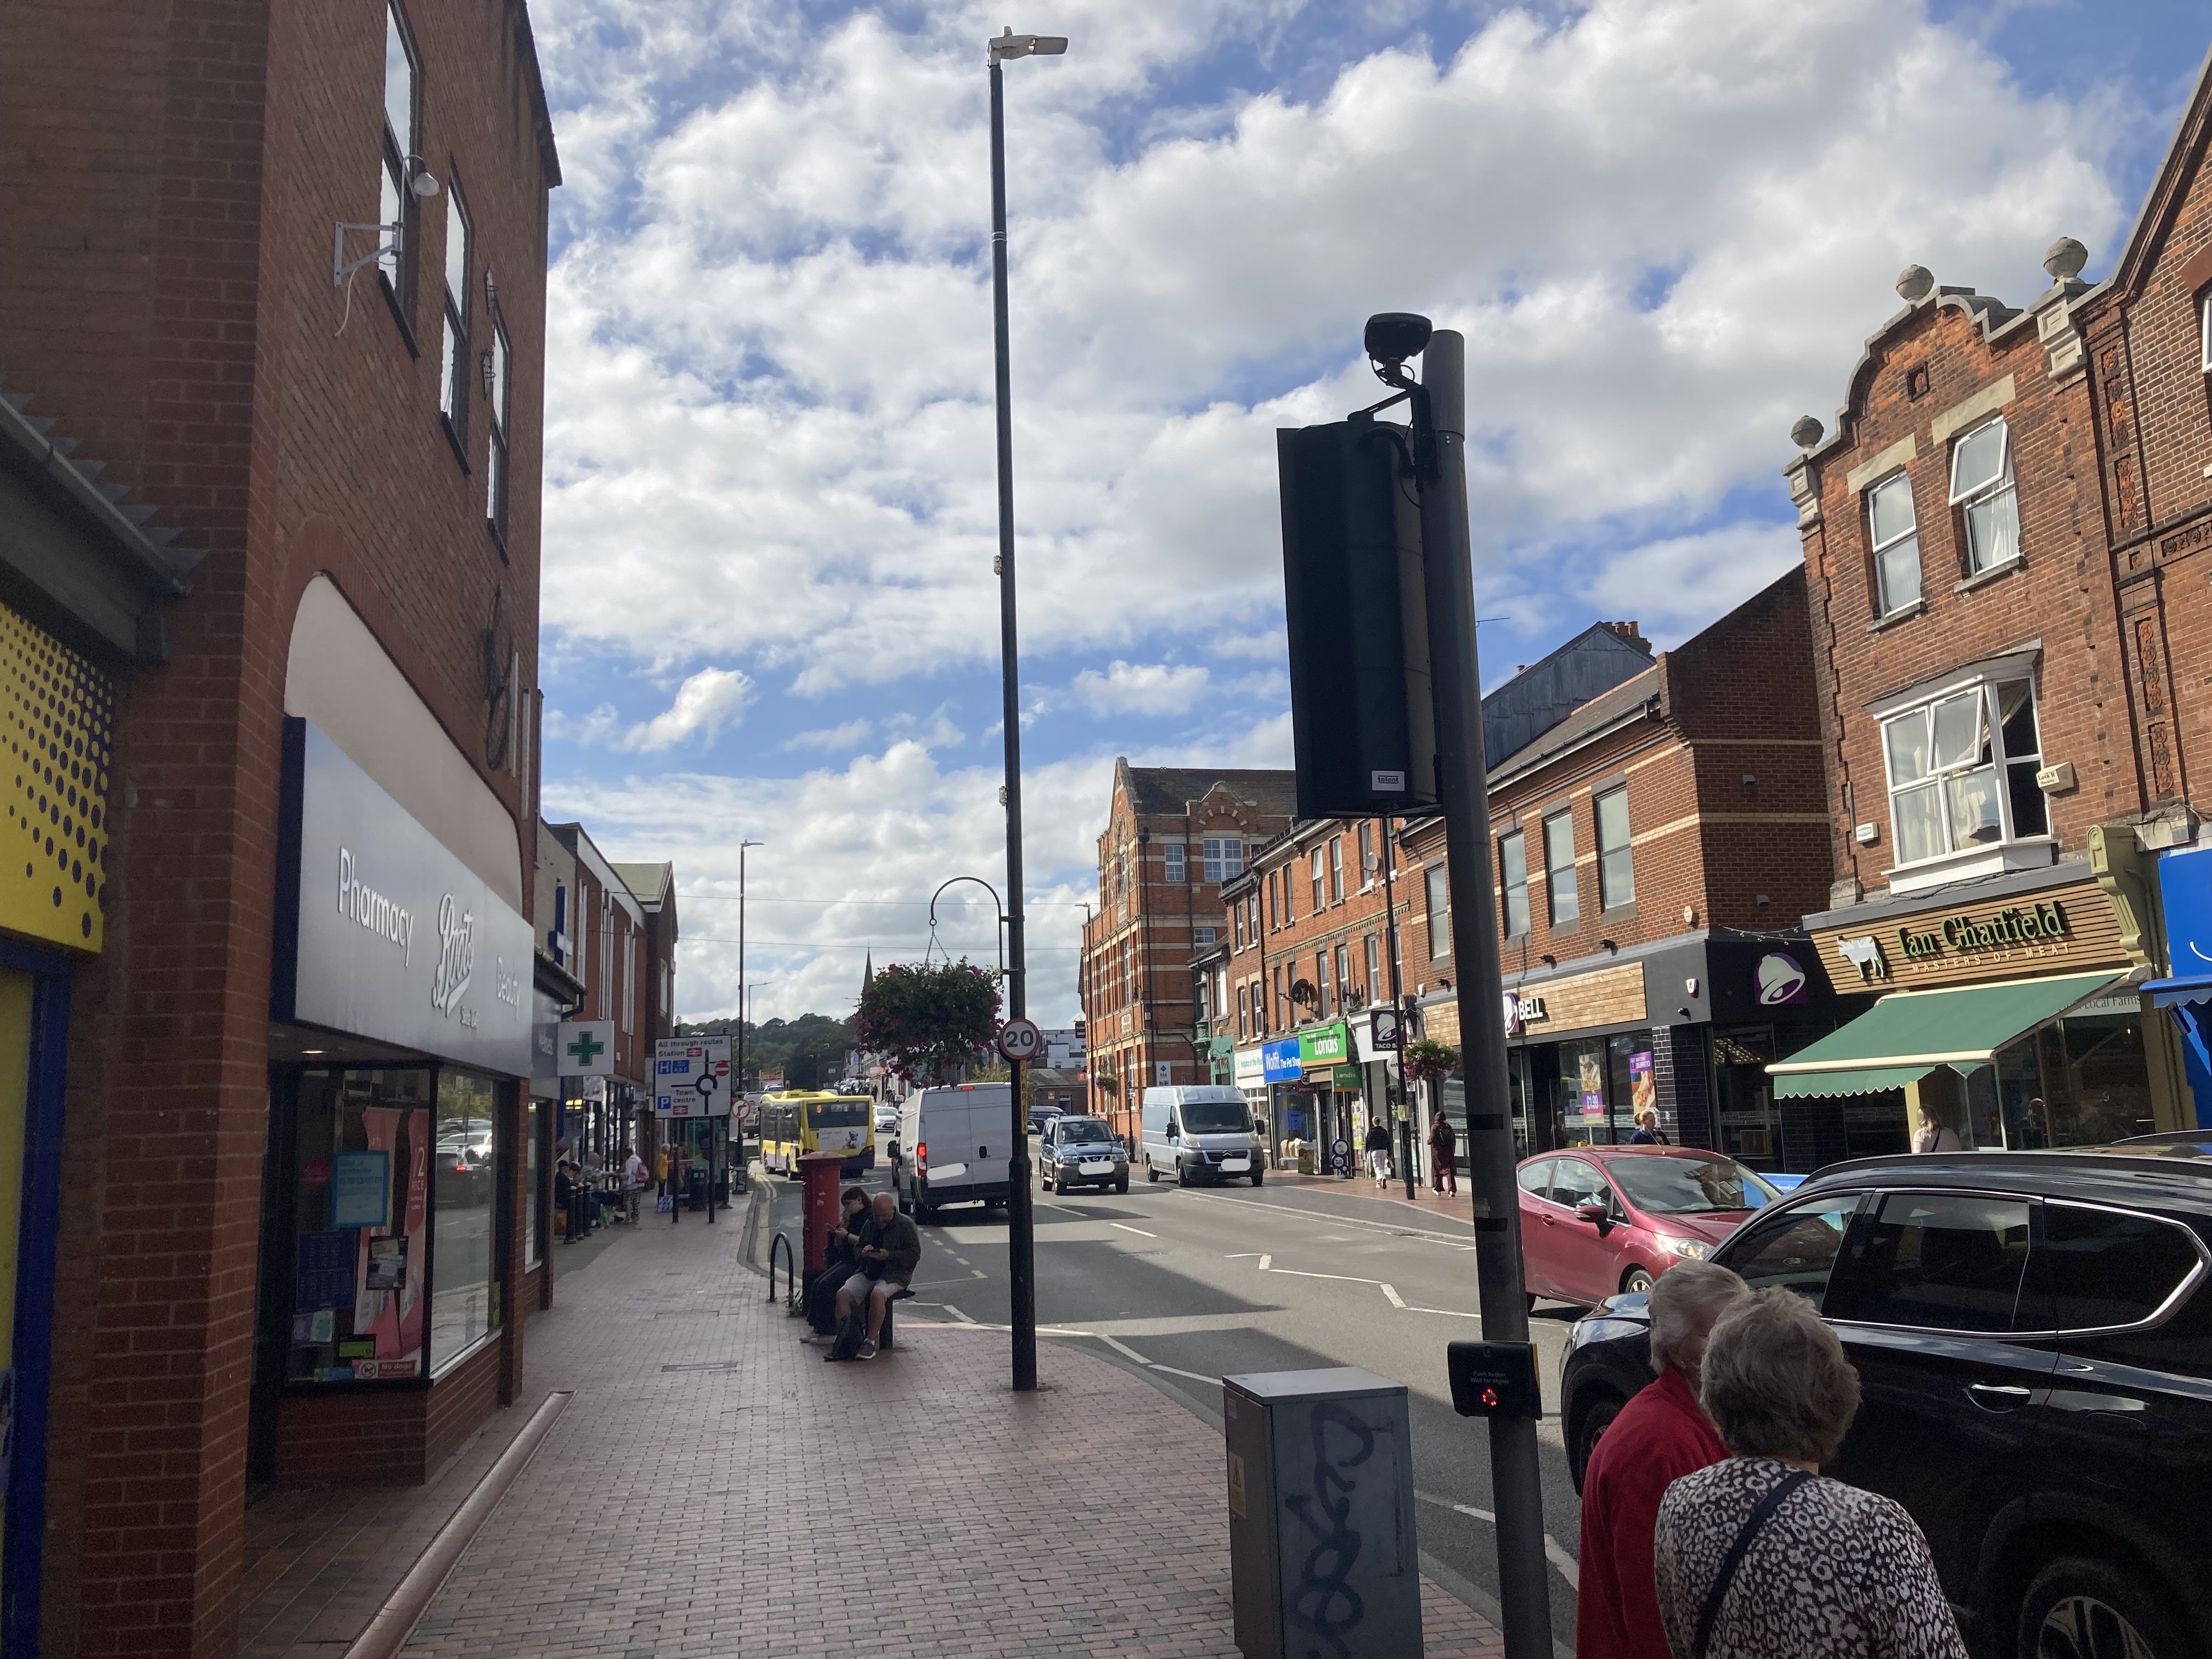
x: 790, y: 1268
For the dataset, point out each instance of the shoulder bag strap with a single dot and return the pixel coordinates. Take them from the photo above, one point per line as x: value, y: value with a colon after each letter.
x: 1710, y: 1613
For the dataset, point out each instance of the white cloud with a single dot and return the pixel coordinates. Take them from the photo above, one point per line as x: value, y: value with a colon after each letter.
x: 851, y: 735
x: 706, y: 703
x: 1675, y: 586
x: 1155, y: 687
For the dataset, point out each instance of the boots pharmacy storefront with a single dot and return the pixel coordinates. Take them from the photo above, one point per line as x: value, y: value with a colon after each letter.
x: 2006, y: 1013
x: 399, y: 1053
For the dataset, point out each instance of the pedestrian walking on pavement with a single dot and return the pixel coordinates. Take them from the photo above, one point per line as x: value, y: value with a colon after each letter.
x: 1759, y: 1556
x: 565, y: 1199
x: 1660, y: 1436
x: 633, y: 1184
x: 1378, y: 1152
x: 1648, y: 1132
x: 1443, y: 1155
x: 1935, y: 1135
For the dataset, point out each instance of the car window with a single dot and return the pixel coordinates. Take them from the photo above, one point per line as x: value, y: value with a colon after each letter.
x: 1535, y: 1177
x: 1090, y: 1130
x: 1683, y: 1186
x: 1796, y: 1248
x: 1946, y: 1262
x: 1576, y: 1183
x: 2094, y: 1269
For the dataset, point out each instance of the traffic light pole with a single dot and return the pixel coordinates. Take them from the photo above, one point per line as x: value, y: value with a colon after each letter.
x: 1524, y: 1593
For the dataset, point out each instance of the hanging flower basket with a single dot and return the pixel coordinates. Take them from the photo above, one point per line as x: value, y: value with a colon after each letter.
x: 926, y: 1021
x: 1430, y: 1062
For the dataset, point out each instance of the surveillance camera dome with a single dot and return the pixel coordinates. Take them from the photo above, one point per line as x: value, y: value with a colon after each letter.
x: 1394, y: 336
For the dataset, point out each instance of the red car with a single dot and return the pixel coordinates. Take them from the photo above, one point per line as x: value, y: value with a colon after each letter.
x: 1597, y: 1220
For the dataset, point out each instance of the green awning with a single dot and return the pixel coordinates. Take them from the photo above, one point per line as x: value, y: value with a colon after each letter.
x: 1908, y: 1034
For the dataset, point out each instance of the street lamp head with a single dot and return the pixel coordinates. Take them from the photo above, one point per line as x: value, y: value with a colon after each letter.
x: 1011, y: 45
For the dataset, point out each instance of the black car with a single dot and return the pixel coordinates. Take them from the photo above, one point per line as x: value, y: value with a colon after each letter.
x: 2033, y: 1340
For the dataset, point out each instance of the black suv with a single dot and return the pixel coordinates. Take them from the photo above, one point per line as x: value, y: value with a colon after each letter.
x: 2033, y: 1341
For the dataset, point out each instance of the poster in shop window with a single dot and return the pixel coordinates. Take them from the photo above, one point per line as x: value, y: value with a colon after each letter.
x: 1592, y: 1069
x: 1643, y: 1091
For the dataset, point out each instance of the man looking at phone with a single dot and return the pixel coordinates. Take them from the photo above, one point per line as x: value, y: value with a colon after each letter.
x: 890, y: 1247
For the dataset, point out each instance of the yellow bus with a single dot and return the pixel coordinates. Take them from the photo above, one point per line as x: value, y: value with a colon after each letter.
x: 796, y: 1122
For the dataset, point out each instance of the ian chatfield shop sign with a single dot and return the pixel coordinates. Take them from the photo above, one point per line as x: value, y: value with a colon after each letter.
x: 392, y: 937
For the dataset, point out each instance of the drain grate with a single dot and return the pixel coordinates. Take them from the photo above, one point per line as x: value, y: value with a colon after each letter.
x: 708, y: 1365
x: 688, y: 1313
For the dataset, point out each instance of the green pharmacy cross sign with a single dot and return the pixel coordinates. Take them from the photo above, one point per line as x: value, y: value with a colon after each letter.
x: 585, y: 1049
x: 583, y: 1046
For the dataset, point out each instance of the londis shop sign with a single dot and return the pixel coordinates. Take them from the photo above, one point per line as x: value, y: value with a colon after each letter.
x: 2009, y: 929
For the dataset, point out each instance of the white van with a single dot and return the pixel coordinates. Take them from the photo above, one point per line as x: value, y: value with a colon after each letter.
x: 955, y: 1147
x: 1202, y: 1133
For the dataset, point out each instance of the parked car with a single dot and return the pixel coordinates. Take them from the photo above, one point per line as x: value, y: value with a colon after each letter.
x: 1202, y: 1132
x: 1601, y: 1219
x: 945, y: 1148
x: 1081, y: 1151
x: 2034, y: 1345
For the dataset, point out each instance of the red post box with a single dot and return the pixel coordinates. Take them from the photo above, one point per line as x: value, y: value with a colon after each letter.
x: 819, y: 1212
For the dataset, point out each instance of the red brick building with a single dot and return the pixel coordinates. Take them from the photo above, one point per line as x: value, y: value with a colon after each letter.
x: 1993, y: 792
x: 1173, y: 836
x: 1652, y: 851
x: 270, y: 573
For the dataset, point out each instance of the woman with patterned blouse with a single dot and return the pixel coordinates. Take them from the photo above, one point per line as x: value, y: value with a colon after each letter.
x: 1831, y: 1572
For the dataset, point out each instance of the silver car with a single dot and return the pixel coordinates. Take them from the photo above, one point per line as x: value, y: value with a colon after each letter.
x: 1081, y: 1151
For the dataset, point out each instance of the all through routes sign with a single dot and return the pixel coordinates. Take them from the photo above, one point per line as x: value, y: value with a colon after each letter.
x: 691, y: 1077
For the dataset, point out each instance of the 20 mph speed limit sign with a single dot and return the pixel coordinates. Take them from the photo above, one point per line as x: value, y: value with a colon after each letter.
x: 1019, y: 1039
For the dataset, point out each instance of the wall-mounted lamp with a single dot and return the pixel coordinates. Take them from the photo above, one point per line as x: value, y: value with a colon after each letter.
x: 1609, y: 945
x: 1549, y: 962
x: 484, y: 366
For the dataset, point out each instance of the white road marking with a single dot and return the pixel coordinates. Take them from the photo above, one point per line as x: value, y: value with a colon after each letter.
x: 1300, y: 1273
x: 1563, y: 1561
x: 1395, y: 1230
x: 1264, y: 1261
x: 1196, y: 1377
x: 1123, y: 1349
x: 1241, y: 1255
x: 1396, y: 1300
x: 1126, y: 1228
x: 1128, y: 1352
x: 964, y: 1319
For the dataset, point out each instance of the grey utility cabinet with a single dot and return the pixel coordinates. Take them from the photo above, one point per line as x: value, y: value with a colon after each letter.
x: 1322, y: 1558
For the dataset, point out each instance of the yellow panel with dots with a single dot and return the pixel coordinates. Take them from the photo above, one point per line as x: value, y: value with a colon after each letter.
x: 57, y: 715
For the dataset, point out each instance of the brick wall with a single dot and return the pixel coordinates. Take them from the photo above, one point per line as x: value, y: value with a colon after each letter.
x: 175, y: 169
x: 1265, y: 961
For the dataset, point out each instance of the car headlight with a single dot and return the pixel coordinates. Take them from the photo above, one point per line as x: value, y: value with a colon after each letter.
x: 1696, y: 1248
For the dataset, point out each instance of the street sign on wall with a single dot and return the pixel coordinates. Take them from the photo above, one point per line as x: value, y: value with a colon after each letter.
x: 691, y: 1077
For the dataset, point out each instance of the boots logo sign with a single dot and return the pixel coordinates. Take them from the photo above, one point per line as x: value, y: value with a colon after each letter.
x: 457, y: 956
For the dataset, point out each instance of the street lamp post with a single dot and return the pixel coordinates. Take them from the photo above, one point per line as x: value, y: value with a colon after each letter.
x: 736, y: 1094
x: 1020, y: 1239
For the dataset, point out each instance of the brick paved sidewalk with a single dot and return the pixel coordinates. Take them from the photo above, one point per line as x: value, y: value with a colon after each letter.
x: 714, y: 1488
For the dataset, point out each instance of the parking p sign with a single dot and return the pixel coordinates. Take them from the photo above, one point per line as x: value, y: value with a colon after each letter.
x: 691, y: 1077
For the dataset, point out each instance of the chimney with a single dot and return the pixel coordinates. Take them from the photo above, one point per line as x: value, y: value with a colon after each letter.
x: 1627, y: 631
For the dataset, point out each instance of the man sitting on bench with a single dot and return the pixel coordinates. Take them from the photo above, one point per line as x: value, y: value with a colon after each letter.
x: 890, y: 1248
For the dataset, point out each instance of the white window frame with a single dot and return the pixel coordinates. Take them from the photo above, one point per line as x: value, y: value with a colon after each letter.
x: 1374, y: 969
x: 396, y: 204
x: 499, y: 407
x: 1336, y: 869
x: 1174, y: 865
x: 1552, y: 872
x: 1434, y: 880
x: 1224, y: 857
x: 1999, y: 489
x: 452, y: 374
x: 1510, y: 889
x: 1888, y: 604
x: 2014, y: 848
x: 2205, y: 328
x: 1607, y: 898
x: 1343, y: 977
x: 1366, y: 855
x: 1205, y: 936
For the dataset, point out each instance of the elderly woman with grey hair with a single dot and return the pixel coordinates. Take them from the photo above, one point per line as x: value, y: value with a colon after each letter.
x: 1659, y: 1436
x: 1759, y: 1556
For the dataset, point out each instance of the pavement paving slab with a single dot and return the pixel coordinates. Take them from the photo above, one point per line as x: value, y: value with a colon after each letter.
x: 714, y: 1488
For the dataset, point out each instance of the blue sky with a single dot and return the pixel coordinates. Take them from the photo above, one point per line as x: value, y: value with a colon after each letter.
x: 1664, y: 226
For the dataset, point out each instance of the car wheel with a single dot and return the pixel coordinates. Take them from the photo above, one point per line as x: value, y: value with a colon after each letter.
x: 1528, y: 1298
x: 1122, y: 1185
x: 1636, y: 1281
x: 2078, y: 1607
x: 1182, y: 1176
x: 1589, y: 1429
x: 1258, y: 1175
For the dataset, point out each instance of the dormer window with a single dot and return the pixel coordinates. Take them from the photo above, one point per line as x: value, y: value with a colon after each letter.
x: 1895, y: 533
x: 1982, y: 490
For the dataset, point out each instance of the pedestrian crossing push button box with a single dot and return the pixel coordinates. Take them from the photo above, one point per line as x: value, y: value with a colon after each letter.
x: 1321, y: 1549
x: 1494, y: 1379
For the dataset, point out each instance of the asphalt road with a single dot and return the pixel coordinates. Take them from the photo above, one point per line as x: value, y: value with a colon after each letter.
x: 1189, y: 1286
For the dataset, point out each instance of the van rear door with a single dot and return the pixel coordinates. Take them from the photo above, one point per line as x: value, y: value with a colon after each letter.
x: 989, y: 1139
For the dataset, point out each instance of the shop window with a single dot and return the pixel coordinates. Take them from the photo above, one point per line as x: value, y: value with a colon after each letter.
x: 532, y: 1121
x: 1893, y: 531
x: 1318, y: 870
x: 1559, y: 871
x: 396, y: 201
x: 1616, y: 867
x: 1225, y: 857
x: 1171, y: 862
x: 1962, y: 771
x: 1981, y: 492
x: 465, y: 1303
x: 1513, y: 877
x: 1439, y: 895
x: 453, y: 360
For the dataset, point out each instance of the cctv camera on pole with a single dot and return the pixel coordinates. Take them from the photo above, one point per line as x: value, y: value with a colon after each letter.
x: 1387, y: 719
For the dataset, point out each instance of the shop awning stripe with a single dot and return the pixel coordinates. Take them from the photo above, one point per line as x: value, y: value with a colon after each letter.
x: 1909, y: 1035
x: 2178, y: 992
x: 1862, y: 1080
